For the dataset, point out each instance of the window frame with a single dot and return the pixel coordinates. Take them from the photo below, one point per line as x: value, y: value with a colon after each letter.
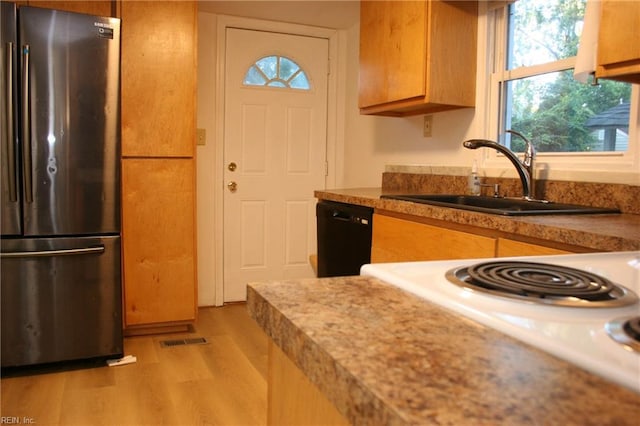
x: 555, y: 164
x: 284, y: 84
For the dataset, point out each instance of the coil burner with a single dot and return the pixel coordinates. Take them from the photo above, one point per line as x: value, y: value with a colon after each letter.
x: 625, y: 331
x: 542, y: 283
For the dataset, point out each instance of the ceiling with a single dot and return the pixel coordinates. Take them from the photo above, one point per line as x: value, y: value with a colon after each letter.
x: 339, y: 14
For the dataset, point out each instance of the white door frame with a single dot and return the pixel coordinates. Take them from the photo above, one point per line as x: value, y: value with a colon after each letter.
x: 335, y: 114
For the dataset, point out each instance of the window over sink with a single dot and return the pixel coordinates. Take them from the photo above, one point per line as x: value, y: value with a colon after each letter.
x: 533, y: 90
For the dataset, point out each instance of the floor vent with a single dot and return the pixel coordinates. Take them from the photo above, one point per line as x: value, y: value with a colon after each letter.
x: 181, y: 342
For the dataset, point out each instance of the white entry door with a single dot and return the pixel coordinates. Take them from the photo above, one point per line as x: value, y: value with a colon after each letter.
x: 275, y: 132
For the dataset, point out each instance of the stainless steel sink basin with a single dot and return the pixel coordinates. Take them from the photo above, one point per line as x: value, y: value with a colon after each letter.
x: 502, y: 206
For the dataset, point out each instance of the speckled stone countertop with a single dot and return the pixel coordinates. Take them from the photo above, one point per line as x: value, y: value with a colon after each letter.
x: 599, y: 232
x: 385, y: 357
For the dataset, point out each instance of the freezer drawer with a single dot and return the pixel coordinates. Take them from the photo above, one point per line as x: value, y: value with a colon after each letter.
x: 61, y: 299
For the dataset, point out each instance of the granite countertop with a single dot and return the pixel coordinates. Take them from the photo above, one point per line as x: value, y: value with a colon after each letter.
x: 598, y: 232
x: 384, y: 356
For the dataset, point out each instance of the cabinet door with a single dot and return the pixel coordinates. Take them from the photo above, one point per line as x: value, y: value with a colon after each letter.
x: 619, y: 41
x: 417, y: 56
x: 392, y: 51
x: 293, y: 398
x: 399, y: 240
x: 159, y: 61
x: 158, y: 233
x: 99, y: 8
x: 507, y: 247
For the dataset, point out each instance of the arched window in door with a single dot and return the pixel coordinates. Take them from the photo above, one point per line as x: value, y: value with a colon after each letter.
x: 277, y: 71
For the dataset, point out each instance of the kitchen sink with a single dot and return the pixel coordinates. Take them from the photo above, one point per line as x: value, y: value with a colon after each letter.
x: 501, y: 206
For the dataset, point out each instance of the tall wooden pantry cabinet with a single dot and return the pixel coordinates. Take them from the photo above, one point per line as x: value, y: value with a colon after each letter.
x: 98, y: 7
x: 159, y: 63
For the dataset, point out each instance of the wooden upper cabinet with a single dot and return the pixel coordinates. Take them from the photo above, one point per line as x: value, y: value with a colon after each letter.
x: 392, y: 66
x: 417, y: 56
x: 159, y: 65
x: 99, y: 8
x: 619, y: 41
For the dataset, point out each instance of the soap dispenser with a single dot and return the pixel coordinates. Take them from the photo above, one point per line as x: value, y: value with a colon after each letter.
x: 473, y: 186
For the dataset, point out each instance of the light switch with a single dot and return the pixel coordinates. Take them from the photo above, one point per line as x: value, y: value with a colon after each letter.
x: 201, y: 136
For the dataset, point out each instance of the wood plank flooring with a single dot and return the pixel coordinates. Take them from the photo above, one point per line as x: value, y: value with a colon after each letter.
x: 222, y: 382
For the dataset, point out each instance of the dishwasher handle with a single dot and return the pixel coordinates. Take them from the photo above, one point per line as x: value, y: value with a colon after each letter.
x: 340, y: 215
x: 338, y: 212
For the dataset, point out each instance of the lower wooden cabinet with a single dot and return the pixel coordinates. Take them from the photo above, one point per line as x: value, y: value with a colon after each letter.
x: 292, y: 398
x: 400, y: 240
x: 507, y: 247
x: 159, y: 241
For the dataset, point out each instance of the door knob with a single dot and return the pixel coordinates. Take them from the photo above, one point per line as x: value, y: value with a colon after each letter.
x: 232, y: 166
x: 233, y: 187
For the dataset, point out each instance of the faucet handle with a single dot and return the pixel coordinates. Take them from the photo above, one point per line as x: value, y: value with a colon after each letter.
x: 529, y: 152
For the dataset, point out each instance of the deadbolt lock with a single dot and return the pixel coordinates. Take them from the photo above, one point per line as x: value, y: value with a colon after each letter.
x: 232, y: 166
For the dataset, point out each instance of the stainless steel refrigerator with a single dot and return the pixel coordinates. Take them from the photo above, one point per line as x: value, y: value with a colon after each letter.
x: 60, y: 252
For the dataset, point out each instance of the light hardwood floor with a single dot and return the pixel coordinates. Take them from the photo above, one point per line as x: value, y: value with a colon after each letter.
x: 222, y: 382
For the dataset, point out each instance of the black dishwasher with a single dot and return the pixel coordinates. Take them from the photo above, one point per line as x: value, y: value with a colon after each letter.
x: 344, y: 238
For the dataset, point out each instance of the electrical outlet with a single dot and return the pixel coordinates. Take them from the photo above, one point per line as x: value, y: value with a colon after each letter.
x: 201, y: 137
x: 428, y: 126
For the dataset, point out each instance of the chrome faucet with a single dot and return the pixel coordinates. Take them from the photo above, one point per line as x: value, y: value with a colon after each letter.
x: 524, y: 168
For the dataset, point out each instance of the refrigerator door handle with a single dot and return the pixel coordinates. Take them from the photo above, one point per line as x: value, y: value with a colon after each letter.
x: 51, y: 253
x: 11, y: 155
x: 26, y: 131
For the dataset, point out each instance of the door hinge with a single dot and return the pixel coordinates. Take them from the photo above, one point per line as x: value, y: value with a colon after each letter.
x: 326, y: 168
